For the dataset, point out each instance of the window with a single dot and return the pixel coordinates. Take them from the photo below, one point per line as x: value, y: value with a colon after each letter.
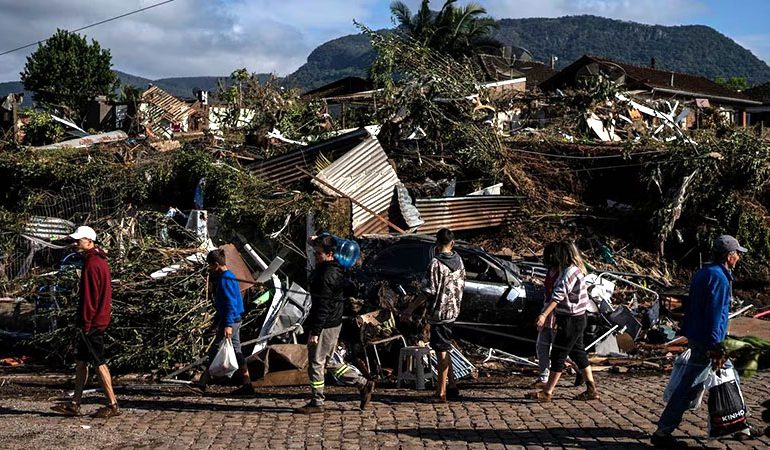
x: 402, y: 259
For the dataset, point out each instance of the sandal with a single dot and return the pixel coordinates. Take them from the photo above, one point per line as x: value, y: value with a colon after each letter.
x: 68, y: 409
x: 105, y: 412
x: 589, y: 394
x: 540, y: 396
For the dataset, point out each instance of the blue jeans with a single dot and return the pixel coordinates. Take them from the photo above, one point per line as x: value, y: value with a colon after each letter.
x: 690, y: 386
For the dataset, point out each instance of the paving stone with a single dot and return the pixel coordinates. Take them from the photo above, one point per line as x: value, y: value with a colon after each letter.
x: 489, y: 417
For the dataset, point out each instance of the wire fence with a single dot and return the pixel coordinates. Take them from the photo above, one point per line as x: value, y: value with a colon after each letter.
x: 21, y: 255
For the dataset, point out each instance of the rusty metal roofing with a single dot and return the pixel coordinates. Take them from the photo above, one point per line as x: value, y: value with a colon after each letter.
x: 165, y: 105
x: 465, y: 213
x: 365, y: 175
x: 282, y: 169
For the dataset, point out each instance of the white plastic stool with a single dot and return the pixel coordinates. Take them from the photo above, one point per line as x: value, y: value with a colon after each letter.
x: 413, y: 365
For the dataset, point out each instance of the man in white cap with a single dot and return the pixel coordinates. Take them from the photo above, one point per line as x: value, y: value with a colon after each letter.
x: 705, y: 327
x: 93, y: 317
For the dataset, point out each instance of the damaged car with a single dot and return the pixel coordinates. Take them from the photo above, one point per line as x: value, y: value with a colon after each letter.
x: 402, y: 262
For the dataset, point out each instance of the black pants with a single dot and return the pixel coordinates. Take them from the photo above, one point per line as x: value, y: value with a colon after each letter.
x: 569, y: 341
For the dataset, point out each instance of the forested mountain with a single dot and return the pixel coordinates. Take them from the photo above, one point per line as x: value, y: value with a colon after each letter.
x: 695, y: 49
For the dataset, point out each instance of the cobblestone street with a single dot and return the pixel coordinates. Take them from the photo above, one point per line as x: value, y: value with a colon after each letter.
x: 490, y: 415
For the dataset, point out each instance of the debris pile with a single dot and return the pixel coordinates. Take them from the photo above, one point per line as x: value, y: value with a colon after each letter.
x: 625, y: 175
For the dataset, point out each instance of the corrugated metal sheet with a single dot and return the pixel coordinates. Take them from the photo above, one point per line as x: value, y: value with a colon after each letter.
x: 465, y: 213
x: 460, y: 364
x: 282, y: 169
x: 87, y: 141
x: 364, y: 174
x: 50, y: 228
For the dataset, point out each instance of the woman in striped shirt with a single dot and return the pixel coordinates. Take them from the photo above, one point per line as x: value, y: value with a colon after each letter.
x: 569, y: 302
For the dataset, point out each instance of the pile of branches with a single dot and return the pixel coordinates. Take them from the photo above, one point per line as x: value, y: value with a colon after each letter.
x: 129, y: 189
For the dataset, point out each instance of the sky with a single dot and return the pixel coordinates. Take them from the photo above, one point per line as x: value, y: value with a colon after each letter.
x: 214, y: 37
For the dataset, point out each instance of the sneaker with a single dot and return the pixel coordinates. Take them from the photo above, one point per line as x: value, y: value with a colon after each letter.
x: 453, y: 393
x: 310, y: 408
x: 68, y: 409
x: 666, y: 441
x: 748, y: 434
x: 105, y: 412
x: 245, y: 390
x: 366, y: 394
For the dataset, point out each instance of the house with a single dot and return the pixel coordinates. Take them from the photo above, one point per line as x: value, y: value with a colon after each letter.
x: 345, y: 97
x: 759, y: 115
x: 522, y: 74
x: 162, y: 114
x: 658, y: 84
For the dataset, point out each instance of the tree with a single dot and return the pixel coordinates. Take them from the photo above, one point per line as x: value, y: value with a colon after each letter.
x: 129, y: 94
x: 457, y: 31
x: 733, y: 83
x: 67, y: 72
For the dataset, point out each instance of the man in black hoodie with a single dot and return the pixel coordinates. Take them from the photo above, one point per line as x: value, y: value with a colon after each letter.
x: 324, y: 323
x: 444, y: 287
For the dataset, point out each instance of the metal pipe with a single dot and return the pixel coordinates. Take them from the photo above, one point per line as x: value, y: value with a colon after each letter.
x: 202, y: 359
x: 604, y: 336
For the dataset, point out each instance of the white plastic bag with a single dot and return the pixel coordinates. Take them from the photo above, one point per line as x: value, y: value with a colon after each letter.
x: 224, y: 363
x: 680, y: 364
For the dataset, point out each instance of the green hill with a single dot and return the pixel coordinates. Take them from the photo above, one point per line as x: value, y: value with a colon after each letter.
x: 695, y: 49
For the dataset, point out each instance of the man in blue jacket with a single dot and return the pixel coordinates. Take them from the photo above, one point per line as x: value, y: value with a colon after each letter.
x: 705, y: 327
x: 228, y: 304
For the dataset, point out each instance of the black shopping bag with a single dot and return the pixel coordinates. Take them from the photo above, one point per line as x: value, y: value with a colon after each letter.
x: 727, y: 410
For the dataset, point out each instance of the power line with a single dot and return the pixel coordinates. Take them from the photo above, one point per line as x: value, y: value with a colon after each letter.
x: 91, y: 25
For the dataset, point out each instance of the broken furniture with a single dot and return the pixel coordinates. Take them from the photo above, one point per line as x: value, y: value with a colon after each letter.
x: 413, y: 366
x: 279, y: 365
x: 460, y: 364
x: 601, y: 290
x: 377, y: 328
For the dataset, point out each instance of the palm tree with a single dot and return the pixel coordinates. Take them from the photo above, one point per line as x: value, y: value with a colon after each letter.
x: 458, y: 31
x: 420, y: 26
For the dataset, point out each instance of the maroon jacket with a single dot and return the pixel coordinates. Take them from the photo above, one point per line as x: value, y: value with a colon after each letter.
x: 95, y: 291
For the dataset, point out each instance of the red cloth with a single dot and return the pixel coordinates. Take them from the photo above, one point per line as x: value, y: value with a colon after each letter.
x: 550, y: 283
x: 95, y: 291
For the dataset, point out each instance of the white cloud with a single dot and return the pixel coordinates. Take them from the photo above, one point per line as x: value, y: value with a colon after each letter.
x: 186, y: 37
